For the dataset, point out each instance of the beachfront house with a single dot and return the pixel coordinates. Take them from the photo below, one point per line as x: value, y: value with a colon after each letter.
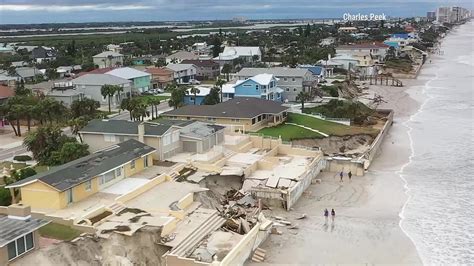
x: 167, y: 137
x: 245, y: 113
x: 19, y: 232
x: 77, y: 180
x: 291, y: 80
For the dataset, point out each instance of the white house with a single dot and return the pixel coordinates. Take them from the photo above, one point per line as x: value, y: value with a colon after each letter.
x: 108, y: 59
x: 183, y: 73
x: 90, y: 85
x: 247, y: 53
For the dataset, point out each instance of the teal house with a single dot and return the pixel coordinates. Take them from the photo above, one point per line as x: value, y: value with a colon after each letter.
x: 140, y: 80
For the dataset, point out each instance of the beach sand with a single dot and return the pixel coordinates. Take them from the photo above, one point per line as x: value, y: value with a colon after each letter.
x: 366, y: 229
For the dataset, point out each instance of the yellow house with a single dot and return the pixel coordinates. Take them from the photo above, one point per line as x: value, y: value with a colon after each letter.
x: 81, y: 178
x: 245, y: 113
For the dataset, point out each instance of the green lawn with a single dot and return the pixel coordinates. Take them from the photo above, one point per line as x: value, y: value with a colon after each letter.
x: 40, y: 168
x: 289, y: 132
x: 59, y: 232
x: 330, y: 128
x: 16, y: 166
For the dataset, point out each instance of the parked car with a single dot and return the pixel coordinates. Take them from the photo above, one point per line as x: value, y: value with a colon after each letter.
x: 194, y: 82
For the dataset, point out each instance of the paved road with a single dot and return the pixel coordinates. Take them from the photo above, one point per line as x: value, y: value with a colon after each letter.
x: 20, y: 149
x: 11, y: 152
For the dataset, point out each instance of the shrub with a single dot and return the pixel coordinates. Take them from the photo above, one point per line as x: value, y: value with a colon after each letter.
x: 5, y: 197
x: 22, y: 158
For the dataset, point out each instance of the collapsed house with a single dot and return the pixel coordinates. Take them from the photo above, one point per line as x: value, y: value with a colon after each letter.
x: 173, y: 197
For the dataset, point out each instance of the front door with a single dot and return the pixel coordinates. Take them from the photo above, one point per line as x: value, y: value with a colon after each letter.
x: 69, y: 196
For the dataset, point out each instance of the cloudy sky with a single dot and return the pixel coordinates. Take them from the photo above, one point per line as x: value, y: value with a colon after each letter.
x: 38, y: 11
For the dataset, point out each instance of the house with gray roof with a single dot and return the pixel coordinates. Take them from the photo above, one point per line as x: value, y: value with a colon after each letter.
x: 28, y: 73
x: 291, y: 80
x: 168, y: 137
x: 90, y: 84
x: 240, y: 113
x: 19, y: 232
x: 79, y: 179
x: 108, y: 59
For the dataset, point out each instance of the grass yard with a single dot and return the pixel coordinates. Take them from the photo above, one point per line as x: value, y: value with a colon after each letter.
x: 289, y: 132
x: 330, y: 128
x: 16, y: 166
x: 59, y: 232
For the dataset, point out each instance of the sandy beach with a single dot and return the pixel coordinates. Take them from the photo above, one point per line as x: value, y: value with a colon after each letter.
x: 367, y: 225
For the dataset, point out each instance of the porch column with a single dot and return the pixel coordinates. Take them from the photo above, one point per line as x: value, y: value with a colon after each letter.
x: 12, y: 194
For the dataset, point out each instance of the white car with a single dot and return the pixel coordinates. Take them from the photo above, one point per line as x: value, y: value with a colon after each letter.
x: 194, y: 82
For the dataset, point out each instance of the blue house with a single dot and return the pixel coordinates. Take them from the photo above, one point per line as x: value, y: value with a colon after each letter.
x: 189, y: 98
x: 263, y: 86
x: 317, y: 71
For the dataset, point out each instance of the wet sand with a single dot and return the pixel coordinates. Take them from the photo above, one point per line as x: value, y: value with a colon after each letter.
x: 366, y: 229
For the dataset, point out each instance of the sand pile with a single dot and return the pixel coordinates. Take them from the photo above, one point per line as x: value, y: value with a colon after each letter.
x: 139, y: 249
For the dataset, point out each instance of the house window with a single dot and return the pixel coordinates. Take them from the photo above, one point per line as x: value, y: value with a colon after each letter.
x: 293, y: 79
x: 294, y: 89
x: 109, y: 138
x: 88, y: 185
x: 287, y: 89
x: 20, y: 246
x: 253, y: 121
x: 132, y: 164
x: 145, y: 162
x: 285, y: 79
x: 256, y: 87
x: 118, y: 172
x: 211, y: 119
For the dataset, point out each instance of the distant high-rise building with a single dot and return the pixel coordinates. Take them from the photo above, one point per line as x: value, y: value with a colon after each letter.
x: 431, y: 15
x: 452, y: 14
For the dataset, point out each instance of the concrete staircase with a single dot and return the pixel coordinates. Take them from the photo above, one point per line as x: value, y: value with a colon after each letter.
x: 117, y: 207
x: 211, y: 224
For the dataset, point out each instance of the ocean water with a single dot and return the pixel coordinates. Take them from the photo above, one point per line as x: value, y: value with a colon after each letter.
x: 439, y: 214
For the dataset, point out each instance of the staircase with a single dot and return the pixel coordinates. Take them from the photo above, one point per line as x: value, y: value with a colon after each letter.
x: 117, y: 207
x: 186, y: 246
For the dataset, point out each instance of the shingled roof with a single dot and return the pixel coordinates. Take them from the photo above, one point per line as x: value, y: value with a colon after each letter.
x: 71, y: 174
x: 240, y: 107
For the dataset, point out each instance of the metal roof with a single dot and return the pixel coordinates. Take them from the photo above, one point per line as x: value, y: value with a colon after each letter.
x: 128, y: 73
x: 71, y: 174
x: 99, y: 79
x: 12, y: 229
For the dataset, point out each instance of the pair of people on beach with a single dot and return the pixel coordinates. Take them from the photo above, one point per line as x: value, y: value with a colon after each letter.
x: 326, y: 215
x: 341, y: 175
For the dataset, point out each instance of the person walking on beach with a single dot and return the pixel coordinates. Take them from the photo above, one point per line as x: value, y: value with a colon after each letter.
x: 333, y: 215
x: 341, y: 175
x: 349, y: 175
x: 326, y: 215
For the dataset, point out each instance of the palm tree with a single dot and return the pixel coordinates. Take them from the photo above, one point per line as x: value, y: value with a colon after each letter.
x: 109, y: 91
x: 220, y: 83
x: 177, y: 97
x: 76, y: 125
x: 154, y: 102
x: 195, y: 91
x: 226, y: 69
x: 303, y: 97
x: 126, y: 105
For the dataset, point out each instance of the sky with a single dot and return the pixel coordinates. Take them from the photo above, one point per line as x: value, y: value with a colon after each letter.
x: 52, y: 11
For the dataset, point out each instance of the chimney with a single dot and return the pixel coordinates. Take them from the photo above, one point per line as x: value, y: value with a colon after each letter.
x: 19, y: 212
x: 141, y: 132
